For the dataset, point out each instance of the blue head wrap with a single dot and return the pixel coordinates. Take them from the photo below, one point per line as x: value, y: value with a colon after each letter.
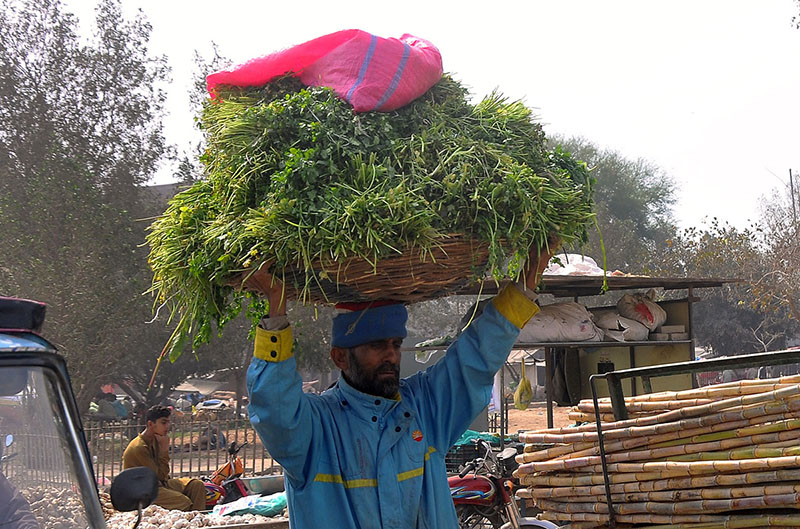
x: 373, y: 323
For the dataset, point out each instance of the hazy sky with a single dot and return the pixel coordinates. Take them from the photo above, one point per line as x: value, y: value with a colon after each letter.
x: 705, y: 89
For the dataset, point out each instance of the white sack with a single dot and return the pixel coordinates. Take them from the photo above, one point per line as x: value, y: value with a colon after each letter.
x: 642, y: 308
x: 620, y: 328
x: 574, y: 264
x: 561, y: 322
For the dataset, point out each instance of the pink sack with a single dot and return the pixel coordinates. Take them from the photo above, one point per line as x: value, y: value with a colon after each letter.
x: 369, y: 72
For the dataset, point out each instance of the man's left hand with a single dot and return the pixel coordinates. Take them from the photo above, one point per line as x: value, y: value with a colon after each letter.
x: 538, y: 259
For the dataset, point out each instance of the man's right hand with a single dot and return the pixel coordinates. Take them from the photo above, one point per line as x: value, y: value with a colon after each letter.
x: 269, y: 285
x: 163, y: 443
x: 277, y: 298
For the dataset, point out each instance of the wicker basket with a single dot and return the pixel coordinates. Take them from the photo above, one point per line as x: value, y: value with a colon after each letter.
x: 449, y: 266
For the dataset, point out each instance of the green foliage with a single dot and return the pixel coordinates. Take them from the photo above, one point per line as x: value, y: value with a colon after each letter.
x: 753, y: 314
x: 294, y: 176
x: 80, y: 131
x: 634, y: 200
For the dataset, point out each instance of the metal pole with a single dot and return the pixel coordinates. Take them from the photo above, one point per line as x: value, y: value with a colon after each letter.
x: 612, y: 521
x: 548, y: 384
x: 503, y: 424
x: 791, y: 189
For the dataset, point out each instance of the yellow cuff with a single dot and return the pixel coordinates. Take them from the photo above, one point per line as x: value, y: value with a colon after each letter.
x: 273, y: 346
x: 515, y: 306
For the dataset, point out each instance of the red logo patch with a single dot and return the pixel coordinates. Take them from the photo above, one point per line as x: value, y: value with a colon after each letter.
x: 416, y: 435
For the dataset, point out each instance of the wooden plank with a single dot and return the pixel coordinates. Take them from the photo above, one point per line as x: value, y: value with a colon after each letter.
x: 571, y: 286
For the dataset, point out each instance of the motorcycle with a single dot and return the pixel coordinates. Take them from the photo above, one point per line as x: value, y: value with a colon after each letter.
x: 485, y: 499
x: 225, y: 484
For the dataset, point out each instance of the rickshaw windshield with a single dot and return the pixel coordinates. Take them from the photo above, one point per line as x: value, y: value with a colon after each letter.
x: 39, y: 488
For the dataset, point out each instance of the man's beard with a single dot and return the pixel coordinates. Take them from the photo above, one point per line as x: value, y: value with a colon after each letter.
x: 368, y: 381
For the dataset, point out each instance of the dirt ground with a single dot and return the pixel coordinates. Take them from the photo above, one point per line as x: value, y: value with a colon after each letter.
x: 535, y: 417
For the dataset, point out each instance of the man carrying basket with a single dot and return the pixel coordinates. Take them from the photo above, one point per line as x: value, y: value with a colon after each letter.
x: 370, y: 452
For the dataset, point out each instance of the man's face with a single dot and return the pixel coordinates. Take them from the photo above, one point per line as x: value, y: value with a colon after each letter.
x: 160, y: 426
x: 374, y: 367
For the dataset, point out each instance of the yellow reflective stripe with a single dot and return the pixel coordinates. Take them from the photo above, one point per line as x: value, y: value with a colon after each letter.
x: 356, y: 483
x: 348, y: 484
x: 410, y: 474
x: 417, y: 471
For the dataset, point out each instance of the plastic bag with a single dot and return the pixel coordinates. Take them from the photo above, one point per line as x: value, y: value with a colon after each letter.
x: 369, y: 72
x: 574, y: 264
x: 642, y: 308
x: 524, y: 393
x: 271, y: 505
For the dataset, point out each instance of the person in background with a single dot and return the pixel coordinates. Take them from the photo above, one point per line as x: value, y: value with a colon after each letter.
x: 106, y: 410
x: 151, y: 449
x: 370, y: 452
x: 119, y: 407
x: 128, y: 404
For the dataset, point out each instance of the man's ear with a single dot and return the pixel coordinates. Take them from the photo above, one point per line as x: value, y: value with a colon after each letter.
x: 340, y: 358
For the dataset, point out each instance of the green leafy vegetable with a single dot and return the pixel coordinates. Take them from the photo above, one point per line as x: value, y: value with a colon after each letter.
x: 294, y: 176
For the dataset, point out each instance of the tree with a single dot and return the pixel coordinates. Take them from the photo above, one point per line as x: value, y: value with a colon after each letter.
x: 796, y: 18
x: 743, y: 317
x: 779, y: 287
x: 633, y: 204
x: 80, y: 132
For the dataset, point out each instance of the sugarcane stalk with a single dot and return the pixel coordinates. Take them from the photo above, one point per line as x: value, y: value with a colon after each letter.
x: 586, y: 525
x: 670, y: 452
x: 674, y: 496
x: 747, y: 453
x: 716, y: 392
x: 579, y: 417
x: 765, y: 521
x: 551, y: 452
x: 778, y: 426
x: 579, y: 480
x: 617, y: 431
x: 652, y: 518
x: 787, y: 379
x: 696, y: 468
x: 686, y: 484
x: 629, y: 444
x: 673, y: 508
x: 645, y: 406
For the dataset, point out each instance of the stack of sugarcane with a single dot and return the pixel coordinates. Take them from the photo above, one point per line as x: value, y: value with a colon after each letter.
x: 718, y: 457
x: 657, y: 403
x: 298, y: 183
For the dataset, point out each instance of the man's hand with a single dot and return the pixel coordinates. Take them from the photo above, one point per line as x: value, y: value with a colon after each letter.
x: 163, y: 443
x: 277, y: 298
x: 538, y: 260
x: 267, y: 284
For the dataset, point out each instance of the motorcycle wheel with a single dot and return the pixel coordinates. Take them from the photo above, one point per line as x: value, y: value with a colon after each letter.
x: 475, y: 517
